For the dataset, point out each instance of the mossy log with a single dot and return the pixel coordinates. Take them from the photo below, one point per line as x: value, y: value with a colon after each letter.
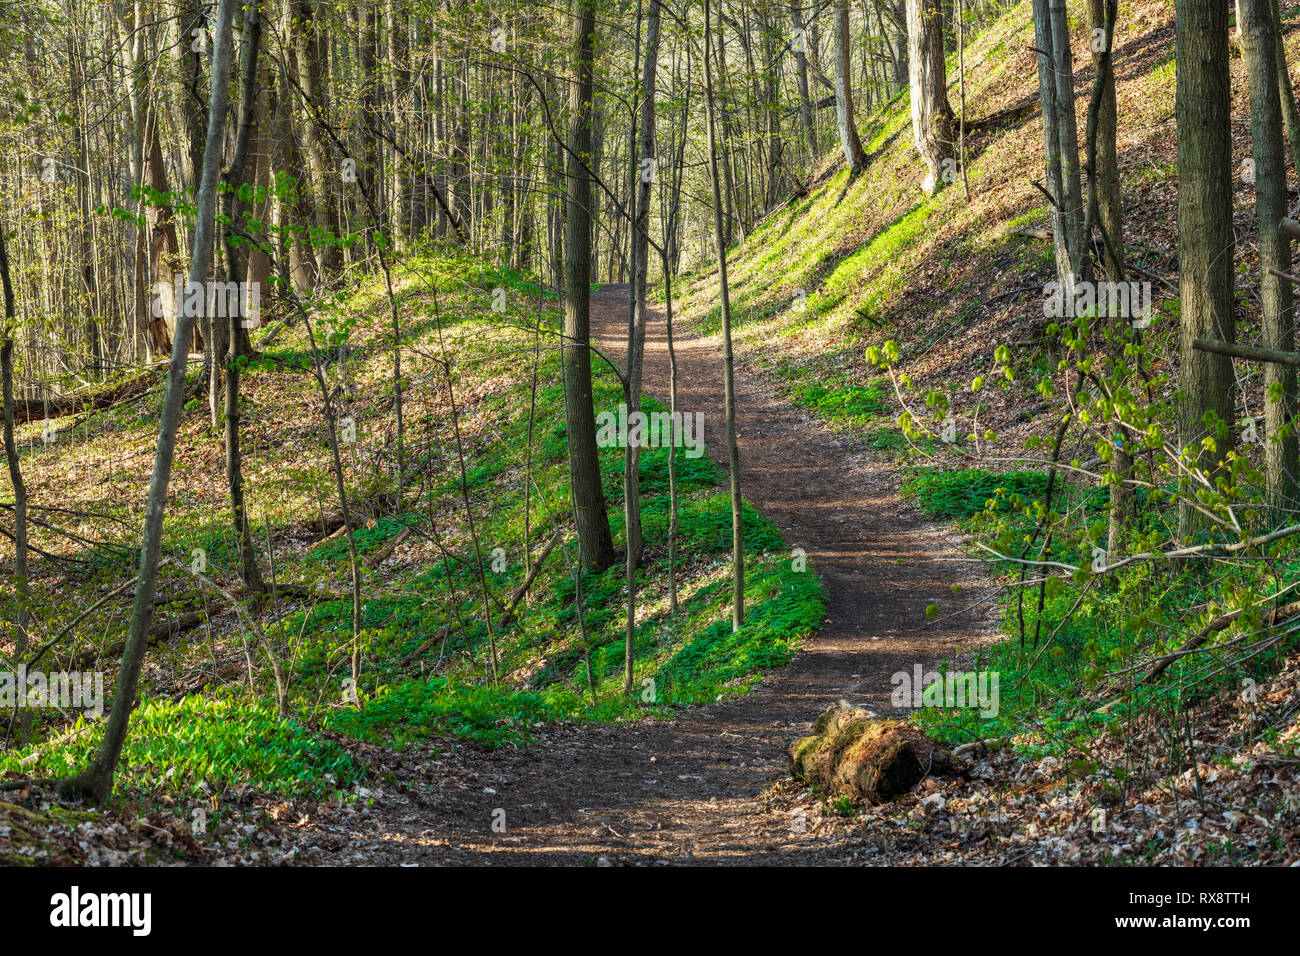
x: 102, y: 395
x: 853, y: 753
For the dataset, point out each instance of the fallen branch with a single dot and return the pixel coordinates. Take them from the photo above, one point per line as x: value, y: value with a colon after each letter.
x: 1031, y: 232
x: 520, y: 591
x: 281, y: 687
x: 1220, y: 623
x: 35, y: 658
x: 1252, y: 352
x: 1017, y: 111
x: 26, y: 410
x: 161, y: 631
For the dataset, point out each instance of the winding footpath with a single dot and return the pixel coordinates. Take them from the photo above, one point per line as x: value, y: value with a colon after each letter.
x: 697, y: 789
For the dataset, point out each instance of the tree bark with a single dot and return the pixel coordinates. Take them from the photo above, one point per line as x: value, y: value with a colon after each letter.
x: 1060, y: 143
x: 1105, y: 202
x: 1255, y: 22
x: 854, y: 155
x: 597, y: 546
x: 329, y: 257
x: 1284, y: 89
x: 640, y: 235
x: 1205, y: 239
x: 729, y: 385
x: 238, y: 211
x: 21, y: 599
x: 96, y: 780
x: 801, y: 76
x: 932, y: 117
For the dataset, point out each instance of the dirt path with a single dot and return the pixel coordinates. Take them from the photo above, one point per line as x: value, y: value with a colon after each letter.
x: 696, y: 789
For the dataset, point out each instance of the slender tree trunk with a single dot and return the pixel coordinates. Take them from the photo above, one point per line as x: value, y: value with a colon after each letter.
x: 1255, y: 23
x: 800, y: 46
x: 324, y: 174
x: 191, y: 93
x: 597, y: 552
x: 729, y: 390
x: 640, y: 235
x: 1284, y: 89
x: 21, y: 598
x: 239, y: 211
x: 89, y: 291
x: 1067, y: 131
x: 1060, y: 147
x: 97, y: 779
x: 1106, y: 210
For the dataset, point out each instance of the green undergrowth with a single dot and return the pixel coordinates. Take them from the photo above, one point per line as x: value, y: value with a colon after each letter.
x: 1088, y: 628
x: 429, y: 669
x: 201, y: 745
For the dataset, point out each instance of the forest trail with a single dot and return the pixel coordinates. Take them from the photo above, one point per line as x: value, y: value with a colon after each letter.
x: 694, y: 789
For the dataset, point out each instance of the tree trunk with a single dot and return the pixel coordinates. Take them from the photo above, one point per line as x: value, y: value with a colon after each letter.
x: 1205, y: 238
x: 597, y: 544
x: 164, y: 249
x: 297, y: 259
x: 932, y: 117
x: 329, y: 257
x: 1255, y: 23
x: 22, y: 610
x: 1060, y: 147
x: 239, y: 211
x: 1107, y: 211
x: 854, y: 155
x: 191, y: 93
x: 1284, y: 90
x: 729, y: 385
x: 96, y: 780
x: 640, y: 235
x: 800, y: 45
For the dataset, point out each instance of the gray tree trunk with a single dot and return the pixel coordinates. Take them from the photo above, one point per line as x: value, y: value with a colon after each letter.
x: 932, y: 117
x: 729, y: 387
x: 324, y: 173
x: 640, y: 235
x: 1106, y: 210
x: 854, y: 155
x: 96, y: 780
x: 1205, y: 239
x: 238, y: 252
x: 801, y: 77
x: 1255, y: 21
x: 22, y: 611
x: 597, y: 544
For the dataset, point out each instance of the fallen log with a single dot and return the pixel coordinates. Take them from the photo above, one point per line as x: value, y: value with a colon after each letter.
x: 1197, y: 640
x: 57, y: 406
x: 1031, y: 232
x: 520, y: 591
x: 379, y: 556
x: 853, y: 753
x: 1018, y: 111
x: 162, y: 631
x: 1251, y: 352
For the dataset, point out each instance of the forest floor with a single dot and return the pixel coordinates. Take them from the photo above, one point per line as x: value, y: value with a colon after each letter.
x: 713, y: 785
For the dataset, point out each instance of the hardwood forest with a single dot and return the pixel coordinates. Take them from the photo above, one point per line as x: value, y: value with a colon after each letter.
x: 622, y: 432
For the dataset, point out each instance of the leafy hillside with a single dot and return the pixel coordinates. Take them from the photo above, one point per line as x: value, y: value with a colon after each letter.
x: 207, y: 722
x: 882, y: 310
